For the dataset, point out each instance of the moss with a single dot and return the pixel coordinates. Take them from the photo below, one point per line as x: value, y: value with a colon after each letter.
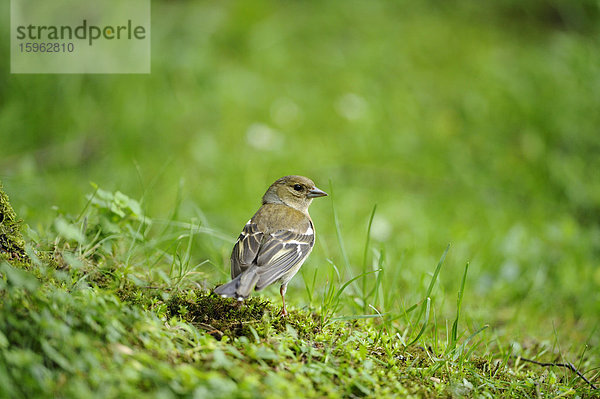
x: 227, y: 316
x: 12, y: 244
x: 219, y: 316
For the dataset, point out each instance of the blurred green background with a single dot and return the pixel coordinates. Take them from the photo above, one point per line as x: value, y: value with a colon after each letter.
x: 466, y: 123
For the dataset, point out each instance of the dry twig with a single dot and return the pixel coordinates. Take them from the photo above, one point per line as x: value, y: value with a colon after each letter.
x: 565, y: 365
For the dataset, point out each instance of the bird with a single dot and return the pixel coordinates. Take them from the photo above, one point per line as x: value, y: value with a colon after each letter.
x: 276, y: 241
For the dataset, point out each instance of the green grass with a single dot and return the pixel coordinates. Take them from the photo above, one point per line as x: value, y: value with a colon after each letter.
x: 430, y: 125
x: 93, y: 312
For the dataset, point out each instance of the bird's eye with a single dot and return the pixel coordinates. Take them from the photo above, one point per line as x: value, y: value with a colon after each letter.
x: 298, y: 187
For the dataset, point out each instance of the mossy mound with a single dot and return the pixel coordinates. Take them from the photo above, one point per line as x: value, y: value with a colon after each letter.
x: 12, y: 244
x: 227, y: 316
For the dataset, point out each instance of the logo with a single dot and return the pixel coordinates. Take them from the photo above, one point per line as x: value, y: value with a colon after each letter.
x: 74, y: 36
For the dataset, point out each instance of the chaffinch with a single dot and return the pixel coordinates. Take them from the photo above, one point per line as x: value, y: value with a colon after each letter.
x: 275, y: 241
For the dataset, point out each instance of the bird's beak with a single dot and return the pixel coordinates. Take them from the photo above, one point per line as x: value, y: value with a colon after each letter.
x: 315, y: 192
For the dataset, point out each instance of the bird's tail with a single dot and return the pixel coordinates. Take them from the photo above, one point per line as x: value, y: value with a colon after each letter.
x: 241, y: 286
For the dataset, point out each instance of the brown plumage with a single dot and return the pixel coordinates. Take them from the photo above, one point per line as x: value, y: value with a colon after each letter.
x: 275, y: 241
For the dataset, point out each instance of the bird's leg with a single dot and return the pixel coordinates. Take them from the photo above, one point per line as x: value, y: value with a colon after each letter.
x: 282, y: 291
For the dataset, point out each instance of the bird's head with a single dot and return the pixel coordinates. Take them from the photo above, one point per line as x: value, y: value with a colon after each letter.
x: 294, y: 191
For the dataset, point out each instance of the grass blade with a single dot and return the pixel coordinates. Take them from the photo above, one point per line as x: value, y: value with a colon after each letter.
x: 364, y: 262
x: 432, y: 282
x: 338, y: 232
x: 427, y: 307
x: 454, y: 335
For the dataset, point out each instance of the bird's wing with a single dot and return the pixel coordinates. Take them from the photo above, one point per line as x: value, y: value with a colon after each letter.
x: 279, y: 252
x: 246, y: 248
